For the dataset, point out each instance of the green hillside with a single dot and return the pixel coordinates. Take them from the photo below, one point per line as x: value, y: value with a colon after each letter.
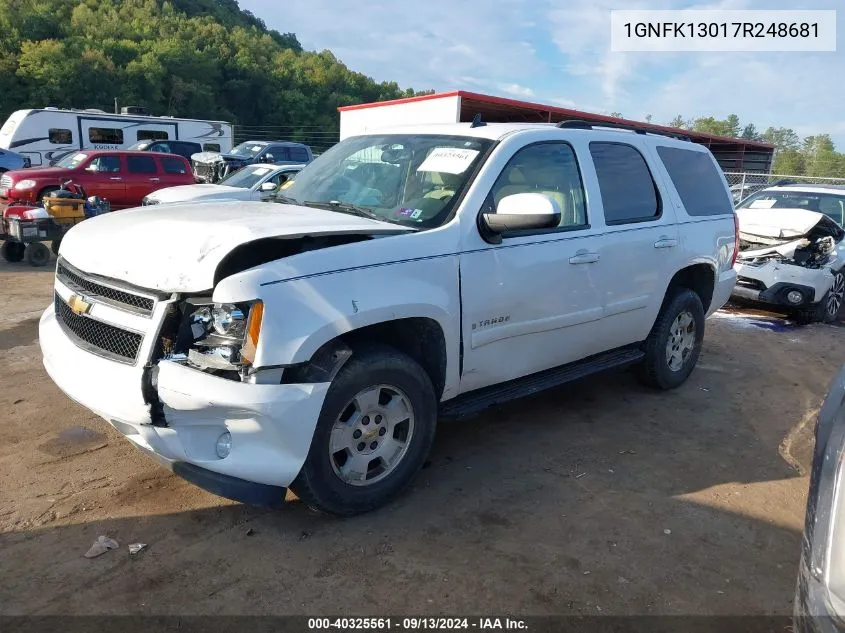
x: 193, y: 58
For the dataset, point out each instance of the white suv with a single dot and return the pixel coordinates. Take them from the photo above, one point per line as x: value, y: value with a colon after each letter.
x: 408, y: 275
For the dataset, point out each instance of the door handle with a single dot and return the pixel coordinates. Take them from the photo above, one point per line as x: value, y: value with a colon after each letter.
x: 154, y: 179
x: 584, y: 257
x: 666, y: 242
x: 115, y: 178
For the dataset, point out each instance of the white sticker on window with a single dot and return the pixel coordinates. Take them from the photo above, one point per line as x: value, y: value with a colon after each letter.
x: 256, y: 148
x: 448, y: 160
x: 261, y: 171
x: 762, y: 204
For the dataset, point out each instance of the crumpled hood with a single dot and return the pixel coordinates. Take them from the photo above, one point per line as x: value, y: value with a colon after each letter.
x: 779, y: 224
x: 178, y: 248
x: 184, y: 193
x: 213, y: 157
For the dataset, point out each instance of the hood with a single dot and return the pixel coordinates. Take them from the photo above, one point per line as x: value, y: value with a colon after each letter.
x: 185, y: 193
x: 781, y: 224
x: 178, y: 248
x: 40, y: 172
x: 213, y: 157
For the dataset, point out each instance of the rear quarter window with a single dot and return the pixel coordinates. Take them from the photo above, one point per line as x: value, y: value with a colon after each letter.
x: 628, y: 192
x: 299, y: 154
x: 697, y: 181
x: 174, y: 166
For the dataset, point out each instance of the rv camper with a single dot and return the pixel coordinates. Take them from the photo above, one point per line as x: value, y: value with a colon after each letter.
x: 43, y: 135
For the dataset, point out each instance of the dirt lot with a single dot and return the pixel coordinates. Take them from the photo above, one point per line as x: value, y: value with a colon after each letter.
x: 598, y: 497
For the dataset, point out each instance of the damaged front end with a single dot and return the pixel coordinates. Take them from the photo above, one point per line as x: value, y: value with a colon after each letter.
x: 788, y: 260
x: 212, y: 167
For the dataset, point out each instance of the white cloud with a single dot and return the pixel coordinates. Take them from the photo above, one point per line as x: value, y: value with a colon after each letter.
x: 517, y: 90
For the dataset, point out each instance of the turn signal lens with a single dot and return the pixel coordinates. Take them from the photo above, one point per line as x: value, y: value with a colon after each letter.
x: 253, y: 329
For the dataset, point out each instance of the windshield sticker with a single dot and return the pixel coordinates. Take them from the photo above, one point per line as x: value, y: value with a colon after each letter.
x: 405, y: 212
x: 448, y: 160
x: 416, y: 214
x: 762, y: 204
x: 261, y: 171
x: 256, y: 148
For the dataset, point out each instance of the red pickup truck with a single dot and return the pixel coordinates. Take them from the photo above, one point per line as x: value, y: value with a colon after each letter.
x: 121, y: 177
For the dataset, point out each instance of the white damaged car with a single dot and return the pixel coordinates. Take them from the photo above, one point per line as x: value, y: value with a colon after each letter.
x: 253, y: 182
x: 792, y: 255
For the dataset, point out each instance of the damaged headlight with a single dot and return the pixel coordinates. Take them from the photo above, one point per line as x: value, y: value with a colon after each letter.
x: 225, y: 335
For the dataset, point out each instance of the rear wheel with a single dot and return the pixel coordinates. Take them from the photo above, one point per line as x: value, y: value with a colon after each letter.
x: 674, y: 344
x: 37, y: 254
x: 375, y: 429
x: 12, y: 251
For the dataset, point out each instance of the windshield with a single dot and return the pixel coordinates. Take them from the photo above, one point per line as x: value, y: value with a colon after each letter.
x: 410, y: 179
x: 140, y: 145
x: 247, y: 177
x: 72, y: 160
x: 832, y: 205
x: 248, y: 150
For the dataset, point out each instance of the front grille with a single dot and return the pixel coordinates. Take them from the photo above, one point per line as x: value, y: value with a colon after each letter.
x: 100, y: 338
x: 106, y: 294
x: 5, y: 182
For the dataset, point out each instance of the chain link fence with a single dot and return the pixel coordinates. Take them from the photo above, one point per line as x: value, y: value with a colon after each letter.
x: 319, y: 138
x: 743, y: 184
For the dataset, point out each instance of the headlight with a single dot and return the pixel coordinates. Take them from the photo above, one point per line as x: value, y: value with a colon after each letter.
x: 225, y: 335
x: 228, y: 320
x: 25, y: 184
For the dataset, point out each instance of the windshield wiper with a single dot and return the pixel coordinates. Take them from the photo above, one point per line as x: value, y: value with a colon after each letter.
x: 284, y: 199
x: 345, y: 207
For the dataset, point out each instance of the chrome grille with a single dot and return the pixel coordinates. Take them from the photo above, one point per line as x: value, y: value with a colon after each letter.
x: 5, y: 182
x: 98, y: 337
x: 74, y: 280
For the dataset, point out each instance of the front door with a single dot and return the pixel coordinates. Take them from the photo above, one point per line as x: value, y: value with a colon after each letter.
x: 534, y: 301
x: 104, y: 176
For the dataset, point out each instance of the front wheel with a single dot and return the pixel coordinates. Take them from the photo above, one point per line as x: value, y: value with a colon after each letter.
x: 12, y: 251
x: 36, y: 254
x: 674, y: 344
x: 374, y: 432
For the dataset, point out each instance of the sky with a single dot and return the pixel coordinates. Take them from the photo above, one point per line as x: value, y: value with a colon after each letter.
x: 558, y: 52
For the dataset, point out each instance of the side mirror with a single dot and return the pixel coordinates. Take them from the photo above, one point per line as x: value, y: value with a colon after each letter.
x: 521, y: 212
x: 268, y: 158
x: 268, y: 186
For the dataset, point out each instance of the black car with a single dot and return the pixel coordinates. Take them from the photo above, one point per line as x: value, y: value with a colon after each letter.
x: 820, y: 597
x: 181, y: 148
x: 212, y: 167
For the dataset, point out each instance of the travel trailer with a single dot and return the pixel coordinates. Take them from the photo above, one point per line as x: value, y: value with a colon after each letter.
x: 44, y: 134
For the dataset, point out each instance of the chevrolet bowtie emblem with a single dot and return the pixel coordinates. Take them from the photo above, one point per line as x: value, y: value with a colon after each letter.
x: 78, y: 305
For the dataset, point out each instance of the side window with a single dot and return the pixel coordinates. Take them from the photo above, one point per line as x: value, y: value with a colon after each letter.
x: 211, y: 147
x: 628, y: 192
x: 299, y: 154
x: 698, y: 183
x: 174, y: 166
x: 550, y: 169
x: 60, y: 137
x: 141, y: 164
x: 105, y: 136
x: 152, y: 135
x: 279, y: 153
x: 104, y: 164
x: 160, y: 147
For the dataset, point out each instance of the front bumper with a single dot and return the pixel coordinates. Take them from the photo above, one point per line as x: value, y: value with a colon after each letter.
x: 774, y: 295
x: 770, y: 282
x: 271, y: 424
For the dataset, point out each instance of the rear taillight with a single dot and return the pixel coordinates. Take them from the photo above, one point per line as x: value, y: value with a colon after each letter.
x: 736, y: 240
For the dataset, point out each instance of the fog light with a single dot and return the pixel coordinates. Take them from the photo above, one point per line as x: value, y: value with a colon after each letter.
x: 793, y: 296
x: 224, y: 445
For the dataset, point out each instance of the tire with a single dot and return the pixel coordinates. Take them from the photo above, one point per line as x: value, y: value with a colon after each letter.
x: 12, y: 251
x: 828, y: 309
x: 670, y: 354
x: 36, y: 254
x: 375, y: 379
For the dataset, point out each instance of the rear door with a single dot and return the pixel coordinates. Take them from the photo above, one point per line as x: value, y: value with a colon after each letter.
x: 640, y: 243
x: 104, y: 176
x: 176, y: 171
x: 142, y: 177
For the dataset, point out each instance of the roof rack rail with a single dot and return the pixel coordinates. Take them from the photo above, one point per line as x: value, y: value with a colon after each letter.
x: 579, y: 124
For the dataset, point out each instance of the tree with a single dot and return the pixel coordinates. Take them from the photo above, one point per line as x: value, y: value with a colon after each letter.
x: 781, y: 137
x: 617, y: 115
x: 750, y: 133
x: 648, y: 118
x: 717, y: 127
x: 678, y: 122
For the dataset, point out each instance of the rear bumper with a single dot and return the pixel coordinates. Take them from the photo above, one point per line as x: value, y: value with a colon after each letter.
x: 722, y: 290
x: 271, y: 425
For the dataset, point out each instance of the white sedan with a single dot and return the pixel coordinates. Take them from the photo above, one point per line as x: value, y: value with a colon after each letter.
x: 253, y: 182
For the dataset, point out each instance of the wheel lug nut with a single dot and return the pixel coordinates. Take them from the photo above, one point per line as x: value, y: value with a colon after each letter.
x: 356, y: 434
x: 374, y: 445
x: 382, y: 431
x: 361, y: 446
x: 378, y: 419
x: 366, y: 420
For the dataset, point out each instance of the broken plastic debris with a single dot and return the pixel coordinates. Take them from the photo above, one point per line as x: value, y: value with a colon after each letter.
x: 579, y: 476
x: 101, y: 546
x: 622, y: 580
x: 667, y: 531
x: 137, y: 547
x: 586, y: 573
x: 250, y: 532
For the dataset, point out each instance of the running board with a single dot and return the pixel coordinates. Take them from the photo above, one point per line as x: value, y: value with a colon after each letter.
x: 473, y: 402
